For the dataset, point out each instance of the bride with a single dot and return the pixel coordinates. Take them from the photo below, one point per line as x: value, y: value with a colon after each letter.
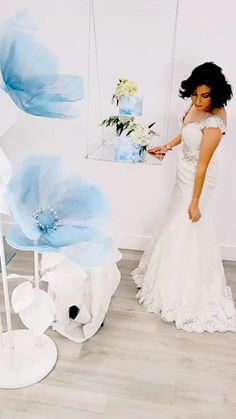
x: 181, y: 276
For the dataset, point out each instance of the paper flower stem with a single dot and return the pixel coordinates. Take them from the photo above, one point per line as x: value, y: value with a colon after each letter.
x: 6, y: 300
x: 38, y: 339
x: 36, y: 269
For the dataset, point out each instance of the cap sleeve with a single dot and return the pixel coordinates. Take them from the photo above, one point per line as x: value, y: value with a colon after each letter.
x: 214, y: 121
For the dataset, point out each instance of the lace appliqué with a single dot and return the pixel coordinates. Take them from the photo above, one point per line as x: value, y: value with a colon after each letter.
x: 188, y: 154
x: 214, y: 121
x: 223, y: 320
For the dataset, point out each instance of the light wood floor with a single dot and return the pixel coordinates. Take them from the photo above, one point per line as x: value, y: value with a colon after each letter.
x: 135, y: 367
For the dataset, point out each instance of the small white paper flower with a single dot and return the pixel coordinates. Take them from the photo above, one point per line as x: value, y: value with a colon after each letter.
x: 22, y: 296
x: 34, y: 306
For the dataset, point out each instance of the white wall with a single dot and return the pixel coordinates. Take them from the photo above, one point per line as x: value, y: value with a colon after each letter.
x: 139, y: 194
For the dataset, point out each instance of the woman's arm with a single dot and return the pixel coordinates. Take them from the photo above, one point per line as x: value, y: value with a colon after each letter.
x: 174, y: 142
x: 210, y: 141
x: 160, y: 152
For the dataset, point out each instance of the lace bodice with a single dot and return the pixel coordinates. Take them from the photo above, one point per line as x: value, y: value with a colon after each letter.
x: 212, y: 121
x: 192, y: 135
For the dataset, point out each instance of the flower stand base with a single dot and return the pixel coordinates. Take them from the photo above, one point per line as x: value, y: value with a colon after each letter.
x: 127, y: 150
x: 29, y: 362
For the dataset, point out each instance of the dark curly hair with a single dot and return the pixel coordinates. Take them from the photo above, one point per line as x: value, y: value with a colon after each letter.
x: 211, y: 75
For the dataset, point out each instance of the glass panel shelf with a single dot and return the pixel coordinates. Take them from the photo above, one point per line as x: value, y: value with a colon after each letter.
x: 105, y: 152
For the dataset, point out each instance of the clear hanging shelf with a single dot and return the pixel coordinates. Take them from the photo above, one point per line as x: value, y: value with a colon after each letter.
x: 106, y: 152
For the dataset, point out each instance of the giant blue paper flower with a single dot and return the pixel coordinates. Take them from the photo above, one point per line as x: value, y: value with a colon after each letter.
x: 54, y: 212
x: 30, y: 73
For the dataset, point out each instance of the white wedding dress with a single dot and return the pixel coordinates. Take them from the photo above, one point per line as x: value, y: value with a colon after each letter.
x: 181, y: 276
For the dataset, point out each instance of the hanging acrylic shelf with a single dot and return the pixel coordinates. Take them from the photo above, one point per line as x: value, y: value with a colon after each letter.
x: 106, y: 152
x: 154, y: 72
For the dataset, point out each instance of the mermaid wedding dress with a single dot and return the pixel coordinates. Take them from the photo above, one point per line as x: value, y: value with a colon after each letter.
x: 181, y: 275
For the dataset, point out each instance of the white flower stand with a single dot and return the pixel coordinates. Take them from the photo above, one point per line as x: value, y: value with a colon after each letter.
x: 24, y: 359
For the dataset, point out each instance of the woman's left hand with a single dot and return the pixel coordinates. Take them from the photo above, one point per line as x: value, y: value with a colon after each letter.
x: 194, y: 212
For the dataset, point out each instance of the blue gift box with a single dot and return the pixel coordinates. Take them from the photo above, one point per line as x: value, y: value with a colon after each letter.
x: 127, y: 150
x: 130, y: 105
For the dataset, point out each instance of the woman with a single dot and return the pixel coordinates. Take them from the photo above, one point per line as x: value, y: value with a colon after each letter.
x: 181, y: 276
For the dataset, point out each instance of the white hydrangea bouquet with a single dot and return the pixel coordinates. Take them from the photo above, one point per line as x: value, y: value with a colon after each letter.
x: 142, y: 134
x: 124, y: 88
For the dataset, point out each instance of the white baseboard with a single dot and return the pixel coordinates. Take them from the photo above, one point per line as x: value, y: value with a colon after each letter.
x: 141, y: 242
x: 133, y: 242
x: 228, y: 251
x: 138, y: 242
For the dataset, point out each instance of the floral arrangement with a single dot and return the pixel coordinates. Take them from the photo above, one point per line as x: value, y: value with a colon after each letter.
x: 142, y: 134
x: 124, y: 88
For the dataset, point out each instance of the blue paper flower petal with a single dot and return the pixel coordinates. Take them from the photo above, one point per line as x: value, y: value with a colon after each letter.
x: 68, y: 235
x: 49, y: 96
x: 22, y: 57
x: 33, y: 184
x: 30, y: 74
x: 22, y: 217
x: 30, y: 189
x: 83, y: 201
x: 16, y: 238
x: 93, y: 248
x: 92, y: 253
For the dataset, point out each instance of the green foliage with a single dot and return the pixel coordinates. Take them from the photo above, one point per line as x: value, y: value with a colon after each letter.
x: 121, y: 123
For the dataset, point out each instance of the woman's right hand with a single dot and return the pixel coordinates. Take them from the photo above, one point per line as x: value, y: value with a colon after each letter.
x: 158, y: 152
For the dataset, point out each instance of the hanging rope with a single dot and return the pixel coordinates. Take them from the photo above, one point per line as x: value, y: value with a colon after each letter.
x: 88, y: 80
x: 168, y: 102
x: 92, y: 36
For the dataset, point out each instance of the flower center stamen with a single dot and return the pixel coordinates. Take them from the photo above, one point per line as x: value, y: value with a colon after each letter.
x: 47, y: 219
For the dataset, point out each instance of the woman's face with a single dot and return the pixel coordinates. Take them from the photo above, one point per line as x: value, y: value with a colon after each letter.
x: 201, y: 98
